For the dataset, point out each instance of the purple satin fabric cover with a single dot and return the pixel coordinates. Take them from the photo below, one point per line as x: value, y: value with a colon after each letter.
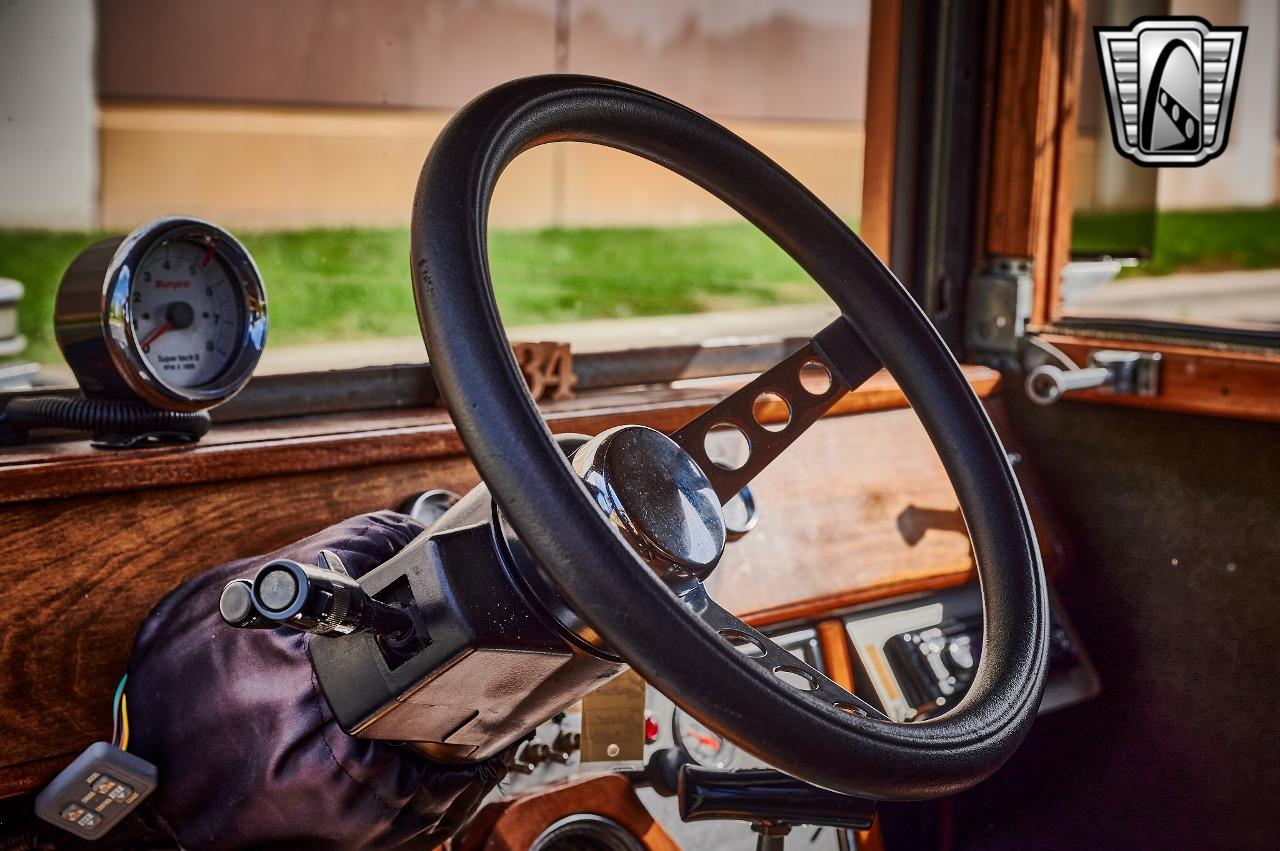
x: 248, y: 751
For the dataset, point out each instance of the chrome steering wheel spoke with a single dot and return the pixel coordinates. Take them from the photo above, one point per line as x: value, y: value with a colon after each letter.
x: 808, y: 383
x: 785, y: 665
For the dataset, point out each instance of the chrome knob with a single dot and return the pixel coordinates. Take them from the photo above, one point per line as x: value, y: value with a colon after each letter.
x: 658, y: 496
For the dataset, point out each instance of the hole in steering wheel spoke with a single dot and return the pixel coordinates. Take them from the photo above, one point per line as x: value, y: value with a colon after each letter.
x: 727, y: 446
x: 772, y: 411
x: 796, y: 677
x: 743, y: 643
x: 815, y: 377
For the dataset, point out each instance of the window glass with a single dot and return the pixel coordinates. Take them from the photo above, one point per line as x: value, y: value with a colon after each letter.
x: 1187, y: 244
x: 301, y: 127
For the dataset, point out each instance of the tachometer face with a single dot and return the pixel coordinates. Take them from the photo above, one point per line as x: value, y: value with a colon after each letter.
x: 704, y: 745
x: 173, y: 315
x: 187, y: 312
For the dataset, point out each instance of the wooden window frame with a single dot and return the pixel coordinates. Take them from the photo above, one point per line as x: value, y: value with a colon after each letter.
x: 881, y: 125
x: 1028, y: 215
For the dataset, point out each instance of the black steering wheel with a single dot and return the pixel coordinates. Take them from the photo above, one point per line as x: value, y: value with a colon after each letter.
x: 662, y: 622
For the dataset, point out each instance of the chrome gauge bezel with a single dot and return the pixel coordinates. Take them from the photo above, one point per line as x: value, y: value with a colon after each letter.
x: 94, y: 317
x: 682, y: 722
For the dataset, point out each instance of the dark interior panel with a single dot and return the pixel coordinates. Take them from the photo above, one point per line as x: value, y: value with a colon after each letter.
x: 1171, y: 579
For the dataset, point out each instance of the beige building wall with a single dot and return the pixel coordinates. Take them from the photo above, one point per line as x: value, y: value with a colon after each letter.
x: 1244, y: 175
x: 261, y: 168
x: 320, y: 113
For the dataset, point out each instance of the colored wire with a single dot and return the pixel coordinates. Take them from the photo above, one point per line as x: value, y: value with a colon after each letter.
x: 124, y: 716
x: 115, y: 711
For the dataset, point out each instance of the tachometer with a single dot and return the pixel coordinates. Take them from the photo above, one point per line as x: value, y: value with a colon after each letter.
x: 174, y: 315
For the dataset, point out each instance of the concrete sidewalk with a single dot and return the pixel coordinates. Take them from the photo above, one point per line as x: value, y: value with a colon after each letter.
x: 585, y: 336
x: 1202, y: 297
x: 1252, y: 296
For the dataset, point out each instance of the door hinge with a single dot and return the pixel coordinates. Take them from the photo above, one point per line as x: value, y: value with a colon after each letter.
x: 998, y: 309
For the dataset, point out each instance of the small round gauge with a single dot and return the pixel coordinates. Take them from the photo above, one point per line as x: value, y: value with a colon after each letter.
x: 174, y: 315
x: 704, y: 746
x: 187, y: 313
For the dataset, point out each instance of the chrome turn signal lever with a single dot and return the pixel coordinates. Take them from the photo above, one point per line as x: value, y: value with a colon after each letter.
x: 322, y: 600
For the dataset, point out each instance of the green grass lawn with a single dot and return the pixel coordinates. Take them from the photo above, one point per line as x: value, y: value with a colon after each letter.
x: 1185, y: 240
x: 352, y: 284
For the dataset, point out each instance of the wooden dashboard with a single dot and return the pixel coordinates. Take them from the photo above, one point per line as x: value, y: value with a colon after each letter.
x: 859, y: 509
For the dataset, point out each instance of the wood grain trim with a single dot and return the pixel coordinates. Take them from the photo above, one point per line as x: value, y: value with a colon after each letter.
x: 28, y: 777
x: 93, y: 566
x: 834, y: 553
x: 1033, y: 138
x: 1048, y: 304
x: 1026, y: 97
x: 73, y: 572
x: 884, y: 47
x: 834, y: 643
x: 515, y: 824
x: 946, y: 576
x: 236, y: 451
x: 1193, y: 380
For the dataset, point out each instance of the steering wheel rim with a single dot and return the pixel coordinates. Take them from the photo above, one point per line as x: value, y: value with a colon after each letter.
x: 595, y: 568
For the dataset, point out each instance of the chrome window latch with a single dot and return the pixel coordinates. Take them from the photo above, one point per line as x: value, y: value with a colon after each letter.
x: 996, y: 320
x: 1109, y: 371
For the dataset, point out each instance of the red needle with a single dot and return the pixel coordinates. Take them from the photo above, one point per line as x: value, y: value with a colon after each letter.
x: 705, y: 741
x: 155, y: 334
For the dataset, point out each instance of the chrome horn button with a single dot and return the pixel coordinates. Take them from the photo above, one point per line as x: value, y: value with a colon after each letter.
x: 658, y: 496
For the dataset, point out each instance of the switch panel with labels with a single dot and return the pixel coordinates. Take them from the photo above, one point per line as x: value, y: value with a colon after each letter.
x: 99, y: 788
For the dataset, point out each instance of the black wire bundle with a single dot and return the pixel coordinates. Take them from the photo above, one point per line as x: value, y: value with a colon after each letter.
x: 100, y: 417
